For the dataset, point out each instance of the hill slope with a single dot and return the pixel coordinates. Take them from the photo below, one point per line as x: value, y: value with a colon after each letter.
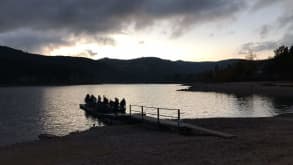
x: 21, y: 68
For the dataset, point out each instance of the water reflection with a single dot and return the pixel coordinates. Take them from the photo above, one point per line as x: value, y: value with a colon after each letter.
x: 20, y: 113
x: 60, y: 112
x: 28, y: 111
x: 261, y: 105
x: 282, y: 104
x: 254, y: 106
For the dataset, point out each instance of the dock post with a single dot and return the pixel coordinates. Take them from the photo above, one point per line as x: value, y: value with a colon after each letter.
x: 141, y: 112
x: 158, y: 115
x: 178, y: 119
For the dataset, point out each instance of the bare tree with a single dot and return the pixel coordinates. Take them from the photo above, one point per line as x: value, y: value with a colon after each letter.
x: 251, y: 56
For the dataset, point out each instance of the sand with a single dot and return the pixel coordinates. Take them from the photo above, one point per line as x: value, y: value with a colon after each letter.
x: 259, y: 141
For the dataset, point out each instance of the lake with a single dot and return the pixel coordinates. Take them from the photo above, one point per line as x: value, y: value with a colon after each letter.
x: 27, y: 112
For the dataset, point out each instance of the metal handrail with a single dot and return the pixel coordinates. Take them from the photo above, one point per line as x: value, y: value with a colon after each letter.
x: 154, y: 114
x: 135, y: 111
x: 169, y: 116
x: 157, y: 114
x: 171, y: 109
x: 151, y: 114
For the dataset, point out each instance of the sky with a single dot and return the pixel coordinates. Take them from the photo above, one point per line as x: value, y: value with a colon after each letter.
x: 189, y: 30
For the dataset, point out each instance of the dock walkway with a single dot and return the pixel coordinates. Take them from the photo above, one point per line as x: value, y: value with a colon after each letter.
x: 143, y: 116
x: 183, y: 127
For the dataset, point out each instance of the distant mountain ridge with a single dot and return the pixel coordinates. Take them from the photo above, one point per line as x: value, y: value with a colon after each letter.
x: 21, y: 68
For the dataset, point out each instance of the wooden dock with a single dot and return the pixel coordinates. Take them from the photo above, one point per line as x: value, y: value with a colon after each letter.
x: 144, y: 117
x: 183, y: 127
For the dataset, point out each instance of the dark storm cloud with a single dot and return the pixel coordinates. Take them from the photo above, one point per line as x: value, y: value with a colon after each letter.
x: 106, y: 17
x: 248, y: 48
x: 110, y: 15
x: 29, y: 40
x: 36, y: 41
x: 255, y: 47
x: 287, y: 39
x: 265, y: 30
x: 286, y: 21
x: 103, y: 40
x: 282, y: 26
x: 263, y: 3
x: 86, y: 53
x: 91, y: 53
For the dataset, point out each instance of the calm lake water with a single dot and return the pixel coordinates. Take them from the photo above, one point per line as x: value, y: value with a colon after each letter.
x: 27, y: 112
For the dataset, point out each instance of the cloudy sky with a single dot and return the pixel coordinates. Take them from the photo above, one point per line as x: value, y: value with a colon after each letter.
x: 193, y: 30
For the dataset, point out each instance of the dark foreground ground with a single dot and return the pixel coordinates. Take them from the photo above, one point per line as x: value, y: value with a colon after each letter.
x: 259, y: 141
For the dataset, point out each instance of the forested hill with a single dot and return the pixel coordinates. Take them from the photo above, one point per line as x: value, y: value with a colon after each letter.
x: 277, y: 68
x: 21, y: 68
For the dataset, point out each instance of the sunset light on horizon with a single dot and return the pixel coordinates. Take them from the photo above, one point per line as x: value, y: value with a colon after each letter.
x: 193, y: 31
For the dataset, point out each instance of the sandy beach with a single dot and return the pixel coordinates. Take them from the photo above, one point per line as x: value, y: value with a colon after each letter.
x: 258, y: 141
x: 278, y: 89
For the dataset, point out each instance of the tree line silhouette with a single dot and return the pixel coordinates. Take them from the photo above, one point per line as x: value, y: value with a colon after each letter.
x: 21, y: 68
x: 277, y: 68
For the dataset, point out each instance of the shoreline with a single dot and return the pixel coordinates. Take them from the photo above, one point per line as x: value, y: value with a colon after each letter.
x: 84, y: 84
x: 259, y: 141
x: 277, y: 89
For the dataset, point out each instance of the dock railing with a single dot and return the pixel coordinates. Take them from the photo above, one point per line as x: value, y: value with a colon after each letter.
x: 159, y: 113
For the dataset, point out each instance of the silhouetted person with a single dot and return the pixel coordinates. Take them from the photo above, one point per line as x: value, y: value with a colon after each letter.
x: 111, y: 106
x: 105, y: 104
x: 92, y: 100
x: 98, y: 104
x: 99, y: 99
x: 87, y: 99
x: 116, y: 105
x: 105, y: 100
x: 123, y: 106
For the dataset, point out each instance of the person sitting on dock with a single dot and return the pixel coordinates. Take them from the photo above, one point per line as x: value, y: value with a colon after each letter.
x: 87, y: 99
x: 111, y: 106
x: 98, y: 104
x: 116, y: 105
x: 99, y: 100
x: 105, y: 100
x: 123, y: 106
x: 105, y: 105
x: 92, y: 100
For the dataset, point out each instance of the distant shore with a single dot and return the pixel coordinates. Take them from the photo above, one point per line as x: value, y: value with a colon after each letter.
x: 258, y: 141
x: 245, y: 88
